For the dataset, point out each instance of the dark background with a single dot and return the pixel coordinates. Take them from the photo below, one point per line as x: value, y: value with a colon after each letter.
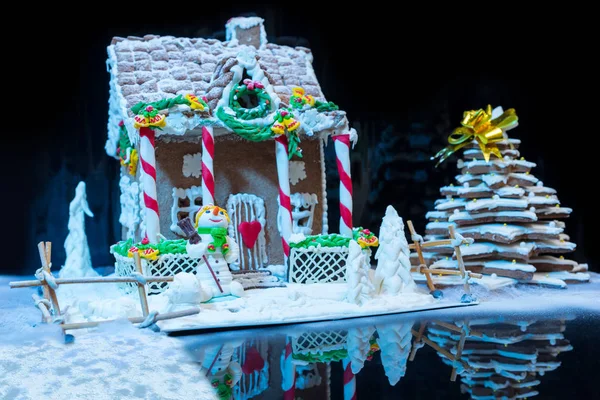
x: 404, y: 77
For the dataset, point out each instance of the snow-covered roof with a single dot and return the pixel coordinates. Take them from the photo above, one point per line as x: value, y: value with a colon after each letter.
x: 151, y: 68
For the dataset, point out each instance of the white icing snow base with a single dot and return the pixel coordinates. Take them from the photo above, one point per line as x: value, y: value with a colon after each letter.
x: 293, y: 304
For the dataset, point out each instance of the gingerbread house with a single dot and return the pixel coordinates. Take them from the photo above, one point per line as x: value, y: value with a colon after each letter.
x: 241, y: 123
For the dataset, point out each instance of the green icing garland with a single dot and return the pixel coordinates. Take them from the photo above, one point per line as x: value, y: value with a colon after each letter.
x: 124, y: 142
x: 162, y: 104
x: 327, y: 356
x: 328, y: 106
x: 252, y: 132
x: 260, y: 133
x: 164, y: 247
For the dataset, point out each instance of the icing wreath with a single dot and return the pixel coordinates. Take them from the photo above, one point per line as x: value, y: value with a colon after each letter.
x: 246, y: 90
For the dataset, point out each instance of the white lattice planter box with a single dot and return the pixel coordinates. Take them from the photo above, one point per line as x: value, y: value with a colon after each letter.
x: 317, y: 264
x: 319, y: 342
x: 164, y: 265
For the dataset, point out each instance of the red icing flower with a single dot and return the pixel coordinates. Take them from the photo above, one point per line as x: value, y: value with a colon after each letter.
x: 121, y: 123
x: 283, y: 113
x: 250, y: 84
x: 225, y: 246
x: 211, y: 247
x: 149, y: 108
x: 366, y: 231
x: 145, y: 240
x: 205, y: 99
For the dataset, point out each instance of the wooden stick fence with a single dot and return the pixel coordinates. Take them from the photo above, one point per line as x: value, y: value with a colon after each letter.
x: 48, y: 283
x: 418, y: 245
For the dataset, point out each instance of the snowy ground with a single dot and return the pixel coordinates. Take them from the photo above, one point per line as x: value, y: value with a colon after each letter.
x: 117, y: 361
x: 120, y: 361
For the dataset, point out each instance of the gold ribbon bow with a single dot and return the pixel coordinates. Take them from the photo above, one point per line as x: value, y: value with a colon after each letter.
x: 478, y: 125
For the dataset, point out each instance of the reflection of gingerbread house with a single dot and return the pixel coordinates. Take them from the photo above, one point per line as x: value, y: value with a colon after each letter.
x: 504, y: 359
x: 216, y: 122
x: 253, y: 359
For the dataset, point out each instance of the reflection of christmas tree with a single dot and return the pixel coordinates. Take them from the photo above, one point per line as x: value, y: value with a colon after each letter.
x: 505, y: 359
x: 511, y: 215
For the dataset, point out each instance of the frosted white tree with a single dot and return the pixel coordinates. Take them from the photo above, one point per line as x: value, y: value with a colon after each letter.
x: 78, y: 262
x: 392, y: 274
x: 359, y: 346
x: 359, y: 285
x: 395, y: 343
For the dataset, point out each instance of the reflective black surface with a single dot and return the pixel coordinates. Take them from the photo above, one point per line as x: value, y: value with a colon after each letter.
x: 481, y: 357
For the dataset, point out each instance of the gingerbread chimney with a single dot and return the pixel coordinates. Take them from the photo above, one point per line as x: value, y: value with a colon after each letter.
x: 247, y: 30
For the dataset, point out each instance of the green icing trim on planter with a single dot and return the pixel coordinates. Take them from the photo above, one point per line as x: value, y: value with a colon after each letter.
x: 163, y: 247
x: 331, y: 240
x: 327, y: 356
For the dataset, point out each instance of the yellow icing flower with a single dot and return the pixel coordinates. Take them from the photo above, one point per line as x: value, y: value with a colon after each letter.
x: 133, y: 162
x: 278, y: 128
x: 291, y: 124
x: 132, y: 250
x: 364, y: 242
x: 150, y: 254
x: 298, y: 91
x: 159, y: 120
x: 194, y: 102
x: 310, y: 100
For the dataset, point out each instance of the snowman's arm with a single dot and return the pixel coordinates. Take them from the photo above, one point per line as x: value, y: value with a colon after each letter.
x: 196, y: 250
x: 234, y: 251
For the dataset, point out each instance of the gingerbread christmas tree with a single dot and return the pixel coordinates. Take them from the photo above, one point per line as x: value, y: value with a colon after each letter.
x: 515, y: 220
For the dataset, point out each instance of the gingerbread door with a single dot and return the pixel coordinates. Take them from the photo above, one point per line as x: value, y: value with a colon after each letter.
x: 247, y: 227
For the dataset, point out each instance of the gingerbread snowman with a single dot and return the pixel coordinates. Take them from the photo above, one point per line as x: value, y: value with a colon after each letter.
x: 217, y: 250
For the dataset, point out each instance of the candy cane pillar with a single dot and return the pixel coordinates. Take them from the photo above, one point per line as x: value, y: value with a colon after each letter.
x: 285, y: 207
x: 288, y: 372
x: 342, y: 154
x: 148, y: 178
x: 349, y: 381
x: 208, y: 177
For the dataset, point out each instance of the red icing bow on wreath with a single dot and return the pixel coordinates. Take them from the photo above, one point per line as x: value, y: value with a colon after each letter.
x: 250, y: 84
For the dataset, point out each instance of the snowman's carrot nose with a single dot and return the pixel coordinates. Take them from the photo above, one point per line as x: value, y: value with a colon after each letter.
x: 216, y: 211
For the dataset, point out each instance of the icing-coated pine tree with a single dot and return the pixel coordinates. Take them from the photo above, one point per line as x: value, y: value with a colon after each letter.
x: 514, y: 219
x: 78, y: 263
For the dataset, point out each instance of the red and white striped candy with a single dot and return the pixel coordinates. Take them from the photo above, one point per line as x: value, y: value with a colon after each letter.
x: 285, y: 206
x: 342, y: 154
x: 148, y: 178
x: 349, y: 381
x: 288, y: 372
x: 208, y: 154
